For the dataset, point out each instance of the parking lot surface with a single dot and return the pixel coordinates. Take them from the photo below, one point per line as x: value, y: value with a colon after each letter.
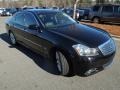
x: 22, y: 69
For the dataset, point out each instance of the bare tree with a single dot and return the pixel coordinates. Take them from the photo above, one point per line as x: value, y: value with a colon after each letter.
x: 100, y: 1
x: 59, y: 3
x: 117, y: 1
x: 25, y: 2
x: 30, y: 2
x: 74, y: 11
x: 40, y: 2
x: 3, y: 3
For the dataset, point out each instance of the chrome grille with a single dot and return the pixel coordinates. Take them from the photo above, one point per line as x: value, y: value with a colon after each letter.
x: 107, y: 48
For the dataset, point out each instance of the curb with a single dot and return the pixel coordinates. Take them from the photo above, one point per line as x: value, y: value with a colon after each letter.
x: 116, y: 36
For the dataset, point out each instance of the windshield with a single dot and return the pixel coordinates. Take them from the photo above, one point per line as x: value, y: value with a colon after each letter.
x: 56, y: 19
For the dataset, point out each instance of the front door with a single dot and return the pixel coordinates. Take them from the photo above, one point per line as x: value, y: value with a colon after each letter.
x: 32, y: 35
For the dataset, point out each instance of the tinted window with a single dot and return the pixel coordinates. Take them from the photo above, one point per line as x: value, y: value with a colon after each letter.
x: 96, y: 8
x: 30, y: 19
x: 117, y: 9
x: 107, y: 9
x: 19, y: 19
x: 12, y: 19
x: 55, y: 19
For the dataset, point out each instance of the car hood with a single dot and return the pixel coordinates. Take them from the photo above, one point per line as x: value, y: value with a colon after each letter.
x: 87, y: 35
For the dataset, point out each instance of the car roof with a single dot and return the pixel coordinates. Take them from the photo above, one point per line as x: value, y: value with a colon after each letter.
x: 41, y: 11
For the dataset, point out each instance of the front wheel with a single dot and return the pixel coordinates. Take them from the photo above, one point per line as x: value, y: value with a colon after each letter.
x: 62, y: 64
x: 85, y: 17
x: 12, y: 38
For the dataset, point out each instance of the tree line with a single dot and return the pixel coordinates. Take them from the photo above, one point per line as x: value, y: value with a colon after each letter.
x: 49, y: 3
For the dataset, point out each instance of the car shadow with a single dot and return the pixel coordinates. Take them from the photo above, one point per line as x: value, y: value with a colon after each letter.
x: 47, y: 65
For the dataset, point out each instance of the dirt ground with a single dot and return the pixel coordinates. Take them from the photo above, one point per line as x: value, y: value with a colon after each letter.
x: 114, y: 29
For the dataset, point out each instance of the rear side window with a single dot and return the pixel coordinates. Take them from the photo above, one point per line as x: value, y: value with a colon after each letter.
x: 12, y: 19
x: 119, y: 10
x: 19, y: 19
x: 107, y: 9
x: 30, y: 19
x: 96, y: 8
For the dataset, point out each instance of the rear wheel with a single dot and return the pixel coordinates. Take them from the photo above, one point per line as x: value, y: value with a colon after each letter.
x: 62, y: 64
x: 96, y: 20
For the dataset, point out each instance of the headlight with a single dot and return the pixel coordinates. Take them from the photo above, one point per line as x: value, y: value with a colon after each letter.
x: 8, y: 13
x: 78, y: 15
x: 85, y: 51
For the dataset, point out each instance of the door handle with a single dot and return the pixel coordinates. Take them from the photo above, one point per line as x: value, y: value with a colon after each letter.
x: 24, y: 29
x: 33, y: 33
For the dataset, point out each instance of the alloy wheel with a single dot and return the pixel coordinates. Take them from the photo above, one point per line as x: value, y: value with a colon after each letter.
x: 62, y: 64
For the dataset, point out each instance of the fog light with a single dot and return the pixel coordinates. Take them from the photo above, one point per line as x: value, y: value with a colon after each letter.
x: 91, y: 71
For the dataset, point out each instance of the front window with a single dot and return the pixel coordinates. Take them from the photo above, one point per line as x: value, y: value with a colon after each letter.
x: 29, y: 20
x: 96, y: 8
x: 55, y: 19
x: 107, y: 9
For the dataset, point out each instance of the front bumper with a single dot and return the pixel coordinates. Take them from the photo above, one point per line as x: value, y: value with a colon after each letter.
x: 98, y: 63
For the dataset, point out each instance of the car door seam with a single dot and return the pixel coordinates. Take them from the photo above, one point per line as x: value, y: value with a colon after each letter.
x: 29, y: 41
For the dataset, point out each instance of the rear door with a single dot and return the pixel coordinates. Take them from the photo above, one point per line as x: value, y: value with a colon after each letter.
x: 19, y: 27
x: 107, y: 13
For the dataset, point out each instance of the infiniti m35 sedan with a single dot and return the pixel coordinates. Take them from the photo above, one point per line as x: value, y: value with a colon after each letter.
x: 74, y: 47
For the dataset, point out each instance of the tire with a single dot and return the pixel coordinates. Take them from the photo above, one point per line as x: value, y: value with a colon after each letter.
x: 79, y: 19
x: 12, y: 38
x: 96, y: 20
x: 62, y: 63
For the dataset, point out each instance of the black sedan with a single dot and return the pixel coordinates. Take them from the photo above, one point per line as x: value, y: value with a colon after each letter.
x: 76, y: 48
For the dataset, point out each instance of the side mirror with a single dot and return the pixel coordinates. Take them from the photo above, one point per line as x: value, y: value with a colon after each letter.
x: 33, y: 27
